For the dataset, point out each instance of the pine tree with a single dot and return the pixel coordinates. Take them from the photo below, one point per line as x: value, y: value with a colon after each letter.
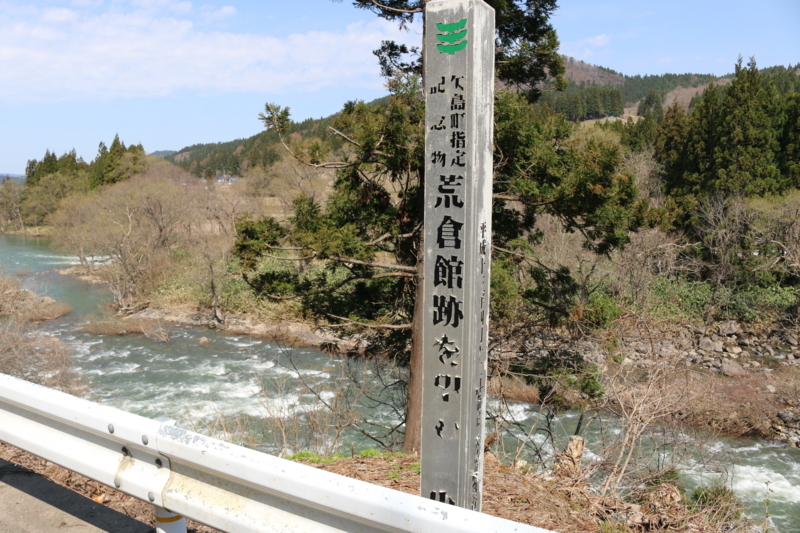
x: 376, y: 208
x: 703, y: 139
x: 789, y: 159
x: 652, y: 103
x: 112, y: 172
x: 671, y: 148
x: 97, y: 170
x: 526, y: 46
x: 30, y: 171
x: 745, y: 154
x: 48, y: 165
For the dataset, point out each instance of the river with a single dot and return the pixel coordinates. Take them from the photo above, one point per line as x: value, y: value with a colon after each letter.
x: 231, y: 385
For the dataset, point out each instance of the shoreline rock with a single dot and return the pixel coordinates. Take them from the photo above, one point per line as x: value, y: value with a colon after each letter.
x: 726, y: 351
x: 289, y: 333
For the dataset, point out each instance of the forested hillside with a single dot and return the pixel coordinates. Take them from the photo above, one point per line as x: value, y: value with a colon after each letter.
x: 54, y: 178
x: 261, y: 150
x: 596, y: 92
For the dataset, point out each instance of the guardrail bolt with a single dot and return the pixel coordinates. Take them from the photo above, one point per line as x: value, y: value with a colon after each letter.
x: 159, y: 463
x: 125, y: 451
x: 151, y: 496
x: 117, y: 482
x: 111, y: 428
x: 145, y: 440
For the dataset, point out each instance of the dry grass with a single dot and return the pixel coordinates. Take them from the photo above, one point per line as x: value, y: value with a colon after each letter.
x: 44, y: 360
x: 507, y: 493
x: 512, y: 389
x: 741, y: 406
x: 9, y: 289
x: 25, y: 306
x: 566, y: 505
x: 46, y: 311
x: 24, y: 352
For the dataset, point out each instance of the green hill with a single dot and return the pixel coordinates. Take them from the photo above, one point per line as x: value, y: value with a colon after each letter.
x: 594, y: 92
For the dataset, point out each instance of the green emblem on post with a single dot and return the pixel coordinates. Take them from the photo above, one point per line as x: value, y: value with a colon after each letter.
x: 451, y: 35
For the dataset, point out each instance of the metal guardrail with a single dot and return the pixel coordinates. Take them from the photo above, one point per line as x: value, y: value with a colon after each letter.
x: 222, y: 485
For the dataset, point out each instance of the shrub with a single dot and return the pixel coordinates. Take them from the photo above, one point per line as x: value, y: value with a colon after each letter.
x: 718, y: 500
x: 602, y: 310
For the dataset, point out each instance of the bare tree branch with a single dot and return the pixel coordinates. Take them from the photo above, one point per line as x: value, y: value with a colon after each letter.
x: 375, y: 326
x: 401, y: 268
x: 353, y: 141
x: 395, y: 9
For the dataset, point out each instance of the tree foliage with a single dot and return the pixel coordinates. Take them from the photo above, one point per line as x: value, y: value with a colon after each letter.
x: 589, y: 103
x: 526, y: 45
x: 53, y: 179
x: 737, y: 140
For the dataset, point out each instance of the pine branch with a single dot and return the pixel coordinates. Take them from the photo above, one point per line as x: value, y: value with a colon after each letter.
x: 354, y: 142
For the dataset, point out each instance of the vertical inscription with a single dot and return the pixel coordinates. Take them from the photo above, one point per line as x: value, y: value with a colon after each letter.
x: 459, y: 81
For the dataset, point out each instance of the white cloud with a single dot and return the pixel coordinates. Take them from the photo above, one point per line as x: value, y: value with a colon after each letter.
x: 597, y: 40
x: 146, y: 51
x: 585, y: 48
x: 87, y: 3
x: 60, y: 14
x: 218, y: 14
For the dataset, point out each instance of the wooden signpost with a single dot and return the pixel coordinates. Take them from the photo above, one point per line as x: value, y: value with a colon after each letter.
x: 459, y: 100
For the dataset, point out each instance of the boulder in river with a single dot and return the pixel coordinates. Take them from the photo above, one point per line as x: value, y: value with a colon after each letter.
x: 732, y: 369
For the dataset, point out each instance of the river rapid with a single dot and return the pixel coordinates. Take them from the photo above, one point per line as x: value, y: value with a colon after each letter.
x: 216, y: 386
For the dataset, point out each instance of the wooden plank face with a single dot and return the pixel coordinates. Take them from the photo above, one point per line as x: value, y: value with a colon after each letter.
x: 459, y: 97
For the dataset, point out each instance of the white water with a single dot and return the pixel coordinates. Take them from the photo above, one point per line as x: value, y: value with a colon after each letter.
x: 238, y: 376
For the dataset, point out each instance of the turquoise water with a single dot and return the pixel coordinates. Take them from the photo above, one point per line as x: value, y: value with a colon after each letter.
x: 242, y: 378
x: 197, y: 383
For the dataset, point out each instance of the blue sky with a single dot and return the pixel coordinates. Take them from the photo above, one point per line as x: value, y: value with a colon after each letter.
x: 171, y: 73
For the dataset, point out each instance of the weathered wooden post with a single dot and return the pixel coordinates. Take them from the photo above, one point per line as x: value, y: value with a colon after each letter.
x: 459, y: 86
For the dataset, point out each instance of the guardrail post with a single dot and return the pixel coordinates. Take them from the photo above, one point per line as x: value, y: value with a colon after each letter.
x: 168, y: 522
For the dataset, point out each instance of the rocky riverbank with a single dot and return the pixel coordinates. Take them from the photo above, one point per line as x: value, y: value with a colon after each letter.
x: 294, y: 334
x: 745, y: 379
x: 26, y: 305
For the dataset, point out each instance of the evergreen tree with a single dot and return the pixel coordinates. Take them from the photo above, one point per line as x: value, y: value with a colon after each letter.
x: 789, y: 160
x: 703, y: 139
x: 30, y: 170
x: 653, y: 104
x: 745, y: 154
x: 48, y: 165
x: 671, y: 147
x: 376, y: 208
x: 526, y: 46
x: 98, y: 166
x: 112, y: 172
x: 640, y: 135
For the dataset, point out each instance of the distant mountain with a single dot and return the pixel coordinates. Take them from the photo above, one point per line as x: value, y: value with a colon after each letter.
x: 581, y: 73
x: 592, y: 81
x: 634, y: 88
x: 163, y: 153
x: 5, y: 175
